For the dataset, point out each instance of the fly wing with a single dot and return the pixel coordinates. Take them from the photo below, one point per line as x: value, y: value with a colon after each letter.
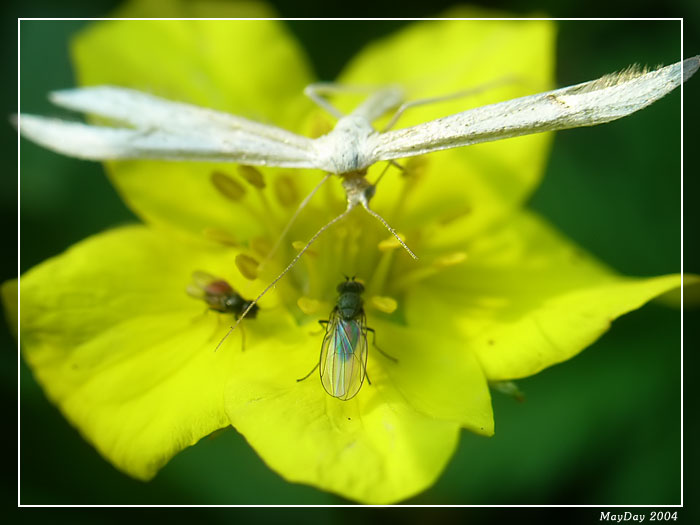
x: 163, y: 130
x: 203, y: 279
x: 343, y: 356
x: 608, y: 98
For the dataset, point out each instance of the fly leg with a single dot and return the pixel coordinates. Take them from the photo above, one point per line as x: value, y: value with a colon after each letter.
x: 307, y: 375
x: 324, y: 323
x: 374, y: 343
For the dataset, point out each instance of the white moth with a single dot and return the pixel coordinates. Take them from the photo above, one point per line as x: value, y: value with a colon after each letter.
x: 165, y: 130
x: 174, y: 131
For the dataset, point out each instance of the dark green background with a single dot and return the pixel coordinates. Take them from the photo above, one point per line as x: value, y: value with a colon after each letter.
x: 601, y: 428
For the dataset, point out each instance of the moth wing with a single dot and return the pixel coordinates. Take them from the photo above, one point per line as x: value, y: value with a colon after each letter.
x: 142, y: 110
x: 343, y: 356
x: 595, y: 102
x: 163, y: 130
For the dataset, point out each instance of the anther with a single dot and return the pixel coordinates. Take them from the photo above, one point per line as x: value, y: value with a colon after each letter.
x: 359, y: 191
x: 261, y: 246
x: 252, y: 175
x: 299, y: 245
x: 247, y: 266
x: 228, y: 187
x: 301, y: 206
x: 220, y: 236
x: 451, y: 259
x: 391, y: 243
x: 286, y: 191
x: 384, y: 304
x: 308, y: 305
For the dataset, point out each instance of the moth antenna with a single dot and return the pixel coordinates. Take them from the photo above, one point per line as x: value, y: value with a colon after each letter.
x: 301, y: 206
x: 386, y: 225
x: 289, y: 267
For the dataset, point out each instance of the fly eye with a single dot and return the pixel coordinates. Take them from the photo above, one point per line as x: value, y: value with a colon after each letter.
x: 369, y: 192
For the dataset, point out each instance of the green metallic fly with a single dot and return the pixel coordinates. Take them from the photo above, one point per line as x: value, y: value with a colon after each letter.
x: 343, y: 361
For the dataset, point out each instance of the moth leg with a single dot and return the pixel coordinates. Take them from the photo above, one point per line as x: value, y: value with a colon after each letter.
x: 317, y: 91
x: 458, y: 94
x: 374, y: 343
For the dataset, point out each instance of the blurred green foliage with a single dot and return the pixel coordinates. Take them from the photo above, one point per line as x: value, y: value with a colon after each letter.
x: 601, y: 428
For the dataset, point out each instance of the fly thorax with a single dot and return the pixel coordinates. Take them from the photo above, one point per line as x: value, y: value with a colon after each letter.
x: 349, y: 305
x: 345, y: 149
x: 253, y: 312
x: 233, y: 303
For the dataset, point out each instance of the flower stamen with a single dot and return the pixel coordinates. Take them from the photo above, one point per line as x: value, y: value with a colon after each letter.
x: 450, y: 259
x: 252, y: 175
x: 390, y: 243
x: 359, y: 191
x: 411, y: 173
x: 232, y: 190
x: 444, y: 261
x: 382, y: 268
x: 261, y: 246
x: 284, y: 272
x: 255, y: 178
x: 301, y: 206
x: 286, y: 191
x: 248, y: 266
x: 384, y: 304
x: 227, y: 186
x: 299, y: 245
x: 219, y: 236
x: 308, y: 305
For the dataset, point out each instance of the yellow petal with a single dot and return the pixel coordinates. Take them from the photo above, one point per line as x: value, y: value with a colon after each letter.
x: 434, y: 374
x: 232, y: 66
x: 228, y: 65
x: 528, y: 298
x: 124, y: 352
x: 508, y: 59
x: 374, y: 448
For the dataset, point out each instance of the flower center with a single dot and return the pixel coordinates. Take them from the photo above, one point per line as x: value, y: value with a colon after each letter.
x: 355, y: 246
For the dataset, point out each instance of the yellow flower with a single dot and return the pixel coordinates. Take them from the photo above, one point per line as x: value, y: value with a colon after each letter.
x: 497, y: 294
